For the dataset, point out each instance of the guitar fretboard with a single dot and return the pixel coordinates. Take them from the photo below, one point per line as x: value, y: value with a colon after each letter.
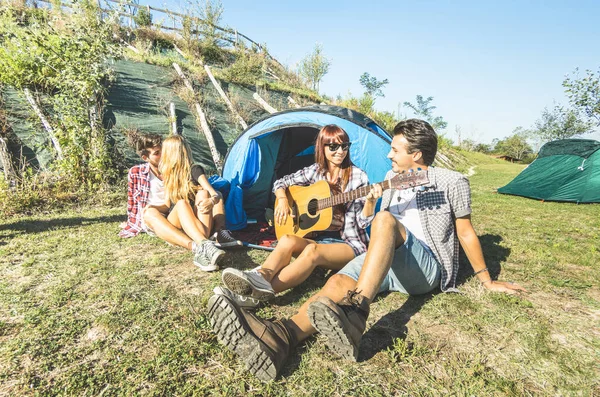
x: 349, y: 196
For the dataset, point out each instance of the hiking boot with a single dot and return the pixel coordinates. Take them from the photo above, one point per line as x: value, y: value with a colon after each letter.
x: 245, y: 302
x: 224, y: 239
x: 248, y: 283
x: 343, y: 324
x: 262, y: 345
x: 207, y: 256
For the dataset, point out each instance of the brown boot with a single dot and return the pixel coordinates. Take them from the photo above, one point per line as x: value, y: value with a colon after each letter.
x: 343, y: 324
x: 263, y: 345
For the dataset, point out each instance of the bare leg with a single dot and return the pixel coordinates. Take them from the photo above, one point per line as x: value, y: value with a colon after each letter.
x: 164, y: 229
x: 206, y: 218
x: 182, y: 217
x: 218, y: 214
x: 287, y: 247
x: 328, y: 256
x: 386, y: 235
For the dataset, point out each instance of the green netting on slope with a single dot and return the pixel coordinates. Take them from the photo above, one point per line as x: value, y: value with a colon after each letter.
x: 140, y: 96
x: 32, y: 140
x: 139, y: 99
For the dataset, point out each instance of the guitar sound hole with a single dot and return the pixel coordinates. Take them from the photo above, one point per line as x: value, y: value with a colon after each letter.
x: 312, y: 207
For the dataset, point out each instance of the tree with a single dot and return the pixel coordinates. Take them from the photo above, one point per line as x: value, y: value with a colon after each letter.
x: 515, y: 145
x: 424, y: 110
x: 373, y: 87
x: 314, y: 66
x: 482, y: 148
x: 560, y: 123
x: 584, y: 93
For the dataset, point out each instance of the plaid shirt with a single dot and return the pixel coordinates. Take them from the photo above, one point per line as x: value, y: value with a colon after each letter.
x: 138, y: 189
x: 353, y: 230
x: 446, y: 197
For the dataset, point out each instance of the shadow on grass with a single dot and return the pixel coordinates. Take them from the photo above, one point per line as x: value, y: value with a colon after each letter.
x: 493, y: 253
x: 38, y: 226
x: 393, y: 325
x: 390, y: 327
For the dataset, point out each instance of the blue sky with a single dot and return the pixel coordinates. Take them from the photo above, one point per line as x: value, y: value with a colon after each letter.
x: 490, y: 66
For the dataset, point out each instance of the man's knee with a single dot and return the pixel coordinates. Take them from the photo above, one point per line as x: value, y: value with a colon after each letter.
x: 340, y: 283
x: 386, y: 225
x: 384, y: 220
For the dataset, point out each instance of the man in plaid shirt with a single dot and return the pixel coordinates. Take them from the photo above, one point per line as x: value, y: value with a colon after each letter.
x: 413, y: 249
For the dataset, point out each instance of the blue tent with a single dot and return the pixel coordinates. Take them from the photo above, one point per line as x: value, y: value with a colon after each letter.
x: 282, y: 143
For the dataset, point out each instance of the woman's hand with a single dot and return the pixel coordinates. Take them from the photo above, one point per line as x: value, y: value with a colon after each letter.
x: 282, y: 211
x: 374, y: 194
x: 205, y: 206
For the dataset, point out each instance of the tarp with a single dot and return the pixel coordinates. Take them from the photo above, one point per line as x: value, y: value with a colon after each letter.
x: 282, y: 143
x: 565, y: 170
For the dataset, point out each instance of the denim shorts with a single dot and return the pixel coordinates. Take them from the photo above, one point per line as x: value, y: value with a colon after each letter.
x: 414, y: 269
x: 328, y: 238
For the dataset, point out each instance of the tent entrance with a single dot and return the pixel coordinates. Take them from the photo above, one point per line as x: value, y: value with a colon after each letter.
x: 283, y: 152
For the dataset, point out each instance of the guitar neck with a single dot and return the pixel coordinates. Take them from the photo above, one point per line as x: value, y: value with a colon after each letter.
x: 349, y: 196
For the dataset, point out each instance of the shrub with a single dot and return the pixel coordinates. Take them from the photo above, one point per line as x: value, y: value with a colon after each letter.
x: 143, y: 17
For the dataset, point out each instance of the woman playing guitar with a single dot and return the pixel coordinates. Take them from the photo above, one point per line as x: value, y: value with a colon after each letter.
x: 331, y: 249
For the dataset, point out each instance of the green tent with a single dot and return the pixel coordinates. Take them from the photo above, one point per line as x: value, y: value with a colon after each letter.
x: 565, y: 170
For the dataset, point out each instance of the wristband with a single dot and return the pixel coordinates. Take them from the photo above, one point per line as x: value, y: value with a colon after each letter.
x: 485, y: 269
x: 486, y: 281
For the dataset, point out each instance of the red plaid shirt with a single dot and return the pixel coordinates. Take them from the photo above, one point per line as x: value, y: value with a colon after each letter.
x: 138, y: 188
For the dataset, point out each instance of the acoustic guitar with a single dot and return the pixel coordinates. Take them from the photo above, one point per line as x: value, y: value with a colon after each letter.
x: 312, y: 206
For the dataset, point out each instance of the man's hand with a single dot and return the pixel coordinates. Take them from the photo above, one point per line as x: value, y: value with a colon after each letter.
x: 504, y: 286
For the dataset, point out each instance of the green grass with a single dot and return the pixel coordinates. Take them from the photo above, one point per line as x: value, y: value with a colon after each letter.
x: 83, y: 312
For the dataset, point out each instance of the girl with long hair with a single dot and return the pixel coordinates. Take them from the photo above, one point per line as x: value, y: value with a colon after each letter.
x: 192, y: 204
x: 331, y: 249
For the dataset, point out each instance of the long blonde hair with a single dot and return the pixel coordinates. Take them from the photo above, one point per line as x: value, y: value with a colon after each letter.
x: 175, y: 168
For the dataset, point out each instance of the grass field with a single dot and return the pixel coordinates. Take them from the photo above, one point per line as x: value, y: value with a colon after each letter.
x: 83, y: 312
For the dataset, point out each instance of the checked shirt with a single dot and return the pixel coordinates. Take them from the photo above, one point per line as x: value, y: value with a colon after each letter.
x: 353, y: 230
x: 446, y: 197
x: 138, y: 189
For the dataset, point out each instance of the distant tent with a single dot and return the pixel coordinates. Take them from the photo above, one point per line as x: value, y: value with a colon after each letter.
x: 282, y: 143
x: 565, y: 170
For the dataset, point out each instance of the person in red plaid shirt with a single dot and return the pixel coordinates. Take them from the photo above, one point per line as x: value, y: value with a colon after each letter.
x: 148, y: 212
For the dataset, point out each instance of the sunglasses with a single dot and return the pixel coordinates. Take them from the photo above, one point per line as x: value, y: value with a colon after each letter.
x: 335, y: 146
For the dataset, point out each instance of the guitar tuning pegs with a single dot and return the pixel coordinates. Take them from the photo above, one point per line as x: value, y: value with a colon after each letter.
x: 411, y: 171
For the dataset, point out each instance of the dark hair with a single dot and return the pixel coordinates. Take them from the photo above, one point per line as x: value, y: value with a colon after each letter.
x: 143, y: 142
x: 332, y: 133
x: 420, y: 137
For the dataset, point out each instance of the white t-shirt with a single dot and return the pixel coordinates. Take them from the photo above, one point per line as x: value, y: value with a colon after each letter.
x: 156, y: 196
x: 404, y: 208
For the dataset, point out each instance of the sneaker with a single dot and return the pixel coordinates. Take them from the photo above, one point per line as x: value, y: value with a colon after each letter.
x: 224, y: 239
x: 342, y: 324
x: 262, y: 345
x: 245, y: 302
x: 248, y: 283
x: 207, y: 256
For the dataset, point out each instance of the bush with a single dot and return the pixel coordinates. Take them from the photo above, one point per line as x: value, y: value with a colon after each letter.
x: 247, y: 69
x: 143, y: 17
